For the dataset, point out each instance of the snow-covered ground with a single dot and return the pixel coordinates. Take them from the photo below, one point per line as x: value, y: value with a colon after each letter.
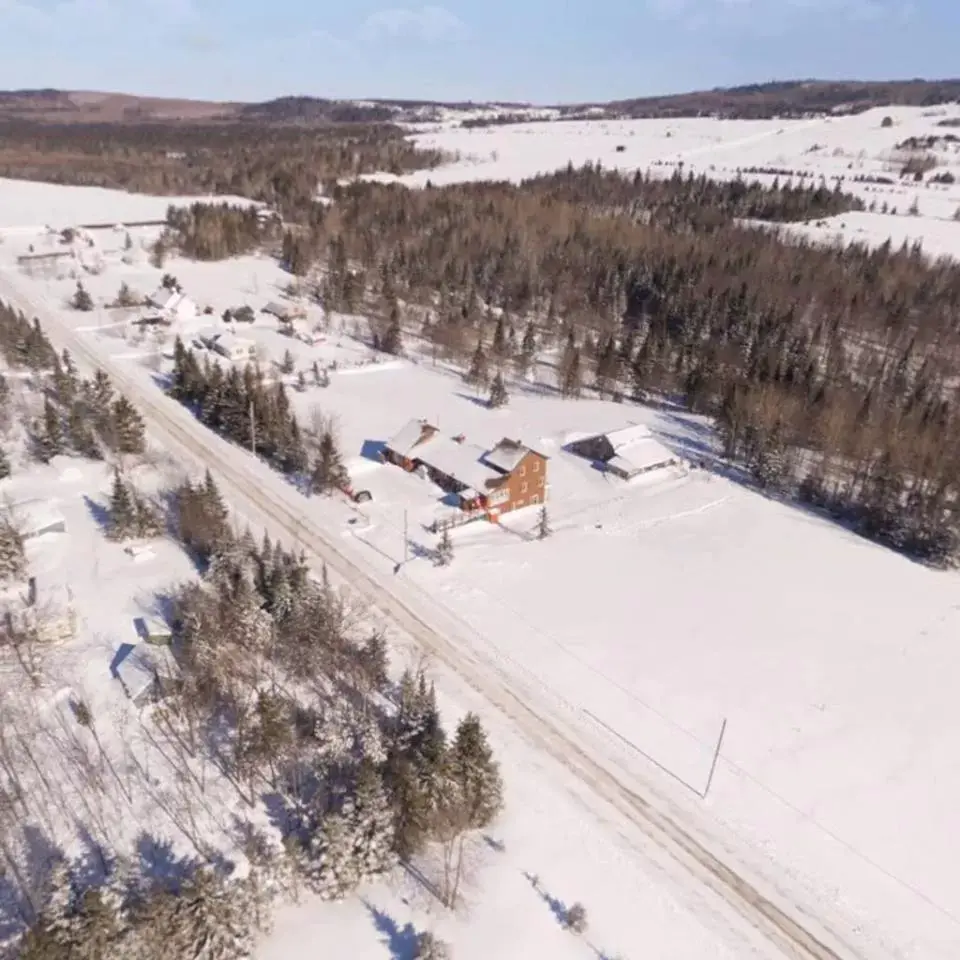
x: 656, y: 610
x: 24, y: 203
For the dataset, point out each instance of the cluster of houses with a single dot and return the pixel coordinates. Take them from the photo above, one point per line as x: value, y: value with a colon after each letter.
x: 490, y: 482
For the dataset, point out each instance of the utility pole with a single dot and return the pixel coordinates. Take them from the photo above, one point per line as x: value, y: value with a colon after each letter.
x: 716, y: 757
x: 253, y: 430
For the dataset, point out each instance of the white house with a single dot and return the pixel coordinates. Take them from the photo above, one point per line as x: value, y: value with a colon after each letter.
x: 173, y: 304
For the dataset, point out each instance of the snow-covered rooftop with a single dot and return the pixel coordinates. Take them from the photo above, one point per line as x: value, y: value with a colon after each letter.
x: 462, y: 461
x: 35, y: 516
x: 139, y: 669
x: 408, y: 436
x: 506, y: 455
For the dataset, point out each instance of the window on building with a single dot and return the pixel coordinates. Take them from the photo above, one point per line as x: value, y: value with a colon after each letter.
x: 536, y: 466
x: 523, y: 488
x: 534, y: 499
x: 523, y: 471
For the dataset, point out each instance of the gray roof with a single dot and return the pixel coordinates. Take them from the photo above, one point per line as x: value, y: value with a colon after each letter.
x: 641, y: 454
x: 140, y: 667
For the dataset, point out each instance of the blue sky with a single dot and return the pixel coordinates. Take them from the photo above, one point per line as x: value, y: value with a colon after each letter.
x: 538, y: 50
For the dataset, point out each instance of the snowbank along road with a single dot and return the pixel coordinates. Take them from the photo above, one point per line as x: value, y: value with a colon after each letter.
x: 265, y: 498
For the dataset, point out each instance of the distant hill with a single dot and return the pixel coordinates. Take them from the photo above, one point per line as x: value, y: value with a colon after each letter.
x: 786, y: 99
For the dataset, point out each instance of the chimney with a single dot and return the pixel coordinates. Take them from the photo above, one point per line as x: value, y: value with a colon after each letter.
x: 32, y: 592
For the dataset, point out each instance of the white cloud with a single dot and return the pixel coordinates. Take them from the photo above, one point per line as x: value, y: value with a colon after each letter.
x: 429, y: 23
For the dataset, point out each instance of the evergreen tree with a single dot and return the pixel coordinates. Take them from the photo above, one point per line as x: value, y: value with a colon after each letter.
x: 48, y: 435
x: 392, y: 340
x: 123, y: 511
x: 128, y: 428
x: 5, y: 468
x: 372, y: 823
x: 500, y: 343
x: 287, y: 364
x: 498, y: 392
x: 478, y: 376
x: 570, y: 373
x: 329, y: 473
x: 81, y: 299
x: 13, y: 560
x: 543, y: 525
x: 445, y: 549
x: 475, y: 774
x: 207, y: 919
x: 333, y: 870
x: 126, y: 297
x: 428, y: 947
x: 80, y: 432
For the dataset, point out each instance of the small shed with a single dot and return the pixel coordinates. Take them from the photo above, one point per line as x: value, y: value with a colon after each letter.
x: 37, y: 518
x: 155, y: 631
x: 145, y: 672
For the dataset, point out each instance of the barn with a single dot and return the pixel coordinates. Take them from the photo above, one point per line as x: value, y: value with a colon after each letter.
x: 626, y: 453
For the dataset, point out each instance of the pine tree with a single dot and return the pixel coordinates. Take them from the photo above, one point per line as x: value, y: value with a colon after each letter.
x: 329, y: 473
x: 475, y: 774
x: 332, y: 869
x: 123, y: 511
x: 428, y: 947
x: 445, y: 549
x: 570, y: 373
x: 207, y: 919
x: 392, y: 340
x: 48, y: 435
x: 128, y: 428
x: 500, y: 344
x: 126, y: 297
x: 81, y: 299
x: 5, y: 468
x: 287, y: 364
x: 13, y: 560
x: 498, y: 393
x: 372, y: 824
x: 543, y: 525
x: 148, y: 519
x: 80, y: 432
x: 478, y: 375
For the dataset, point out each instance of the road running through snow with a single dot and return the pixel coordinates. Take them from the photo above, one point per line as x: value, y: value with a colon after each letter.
x: 264, y: 497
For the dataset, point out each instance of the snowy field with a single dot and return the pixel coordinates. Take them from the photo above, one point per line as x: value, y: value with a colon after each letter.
x: 657, y: 610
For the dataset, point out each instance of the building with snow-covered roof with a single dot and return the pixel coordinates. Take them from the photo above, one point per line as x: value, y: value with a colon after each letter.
x: 44, y: 610
x: 626, y: 453
x: 399, y: 448
x: 173, y: 304
x: 232, y: 347
x: 145, y: 672
x: 495, y: 481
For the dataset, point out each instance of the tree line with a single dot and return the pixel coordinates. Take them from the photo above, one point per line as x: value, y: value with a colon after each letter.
x: 280, y: 165
x: 828, y: 370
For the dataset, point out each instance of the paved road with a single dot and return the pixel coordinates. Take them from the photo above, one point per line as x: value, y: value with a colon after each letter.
x: 266, y: 499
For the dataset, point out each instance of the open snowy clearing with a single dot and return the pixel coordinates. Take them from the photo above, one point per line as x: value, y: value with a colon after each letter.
x: 24, y: 203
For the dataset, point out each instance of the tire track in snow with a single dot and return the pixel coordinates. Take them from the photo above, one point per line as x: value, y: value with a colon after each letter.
x: 253, y: 486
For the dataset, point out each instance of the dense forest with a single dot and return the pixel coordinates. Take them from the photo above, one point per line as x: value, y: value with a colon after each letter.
x: 281, y: 167
x: 831, y: 373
